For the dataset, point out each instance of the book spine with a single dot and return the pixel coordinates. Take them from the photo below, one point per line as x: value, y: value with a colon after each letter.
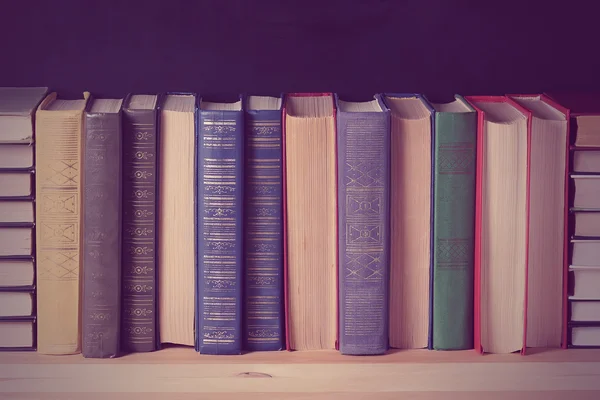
x: 284, y: 209
x: 139, y: 332
x: 567, y: 227
x: 454, y: 230
x: 364, y: 231
x: 101, y: 247
x: 263, y: 328
x: 58, y: 244
x: 220, y: 231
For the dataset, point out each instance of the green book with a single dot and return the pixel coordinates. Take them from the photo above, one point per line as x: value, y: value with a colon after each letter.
x: 455, y: 131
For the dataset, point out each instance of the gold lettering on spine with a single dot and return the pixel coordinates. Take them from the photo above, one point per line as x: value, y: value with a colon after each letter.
x: 219, y: 222
x: 139, y: 235
x: 263, y: 233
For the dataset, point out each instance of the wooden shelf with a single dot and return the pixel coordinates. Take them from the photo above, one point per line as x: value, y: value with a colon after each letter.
x: 181, y: 373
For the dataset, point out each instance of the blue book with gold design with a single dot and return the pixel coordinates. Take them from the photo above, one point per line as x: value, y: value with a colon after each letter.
x: 220, y: 217
x: 264, y: 318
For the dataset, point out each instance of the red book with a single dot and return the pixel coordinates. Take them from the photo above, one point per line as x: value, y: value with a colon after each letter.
x: 521, y: 139
x: 548, y: 118
x: 482, y: 104
x: 286, y: 222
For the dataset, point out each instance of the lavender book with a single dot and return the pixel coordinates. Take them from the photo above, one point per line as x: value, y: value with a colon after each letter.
x: 363, y: 147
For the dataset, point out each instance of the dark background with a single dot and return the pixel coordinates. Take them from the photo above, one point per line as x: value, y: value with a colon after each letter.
x: 354, y: 47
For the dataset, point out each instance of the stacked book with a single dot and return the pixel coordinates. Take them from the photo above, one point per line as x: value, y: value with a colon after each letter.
x: 17, y: 217
x: 583, y: 306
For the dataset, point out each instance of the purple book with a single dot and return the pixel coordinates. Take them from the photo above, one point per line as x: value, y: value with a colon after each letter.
x: 363, y: 147
x: 139, y: 304
x: 101, y: 242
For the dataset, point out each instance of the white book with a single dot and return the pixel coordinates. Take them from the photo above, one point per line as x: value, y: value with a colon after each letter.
x: 17, y: 107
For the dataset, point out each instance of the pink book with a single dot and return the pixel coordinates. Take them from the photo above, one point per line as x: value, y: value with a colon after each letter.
x: 285, y: 220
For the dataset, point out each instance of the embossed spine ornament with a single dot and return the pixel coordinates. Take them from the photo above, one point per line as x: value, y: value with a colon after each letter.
x: 453, y: 233
x: 263, y: 316
x: 364, y: 226
x: 220, y: 232
x: 59, y: 125
x: 139, y: 330
x: 101, y: 314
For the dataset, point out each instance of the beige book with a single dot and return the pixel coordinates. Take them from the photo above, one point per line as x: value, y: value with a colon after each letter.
x: 585, y: 311
x: 311, y: 160
x: 586, y: 224
x: 15, y: 184
x: 16, y: 241
x: 585, y: 336
x: 58, y: 223
x: 16, y: 304
x: 176, y: 254
x: 586, y: 134
x: 503, y: 227
x: 16, y: 156
x: 585, y: 252
x: 585, y: 280
x: 586, y: 161
x: 16, y: 211
x: 16, y: 334
x: 586, y: 191
x: 546, y: 222
x: 17, y: 106
x: 16, y: 273
x: 410, y: 209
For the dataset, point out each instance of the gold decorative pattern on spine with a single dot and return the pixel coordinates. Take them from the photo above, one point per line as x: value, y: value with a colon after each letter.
x: 58, y: 233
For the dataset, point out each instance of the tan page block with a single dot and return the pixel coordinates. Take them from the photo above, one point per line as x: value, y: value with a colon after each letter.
x: 311, y: 224
x: 410, y: 204
x: 176, y: 256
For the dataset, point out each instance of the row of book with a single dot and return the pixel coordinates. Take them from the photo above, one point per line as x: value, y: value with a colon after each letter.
x: 298, y: 222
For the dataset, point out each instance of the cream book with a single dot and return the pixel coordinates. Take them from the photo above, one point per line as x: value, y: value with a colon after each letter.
x: 58, y: 129
x: 519, y: 219
x: 311, y: 221
x: 548, y: 146
x: 17, y: 107
x: 410, y: 225
x: 176, y: 221
x: 500, y: 243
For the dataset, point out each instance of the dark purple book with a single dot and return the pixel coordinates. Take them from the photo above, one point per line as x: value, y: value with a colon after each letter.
x: 363, y: 147
x: 140, y: 223
x: 101, y: 250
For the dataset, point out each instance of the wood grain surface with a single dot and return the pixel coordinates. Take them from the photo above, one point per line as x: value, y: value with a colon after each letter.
x: 180, y: 373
